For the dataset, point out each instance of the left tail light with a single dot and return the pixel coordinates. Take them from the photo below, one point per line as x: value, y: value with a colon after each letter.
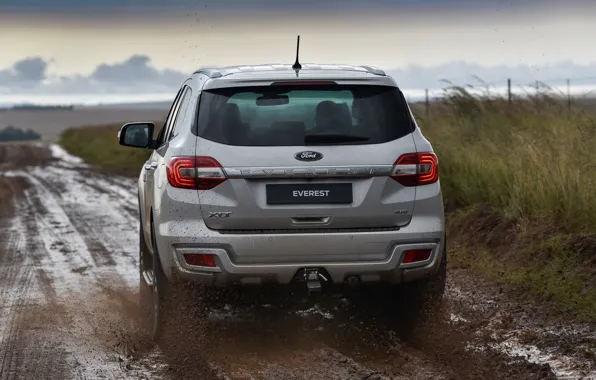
x: 199, y: 173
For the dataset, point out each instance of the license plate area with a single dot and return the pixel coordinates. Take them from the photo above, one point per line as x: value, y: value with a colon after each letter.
x: 303, y: 193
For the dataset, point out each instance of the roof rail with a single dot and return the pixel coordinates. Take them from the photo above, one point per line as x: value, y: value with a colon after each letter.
x: 218, y: 73
x: 211, y: 73
x: 374, y: 70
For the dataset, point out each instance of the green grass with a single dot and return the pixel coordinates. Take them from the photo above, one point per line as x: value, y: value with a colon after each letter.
x: 529, y: 259
x: 531, y: 158
x: 98, y: 145
x: 531, y: 163
x: 555, y: 281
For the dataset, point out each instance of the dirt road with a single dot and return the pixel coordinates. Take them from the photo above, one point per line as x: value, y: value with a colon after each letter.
x: 68, y: 306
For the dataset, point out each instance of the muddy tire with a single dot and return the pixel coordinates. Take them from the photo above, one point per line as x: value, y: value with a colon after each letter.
x: 152, y: 298
x: 424, y: 297
x: 161, y: 296
x: 171, y: 301
x: 145, y: 291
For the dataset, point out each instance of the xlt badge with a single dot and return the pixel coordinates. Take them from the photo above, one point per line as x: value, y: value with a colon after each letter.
x: 220, y: 214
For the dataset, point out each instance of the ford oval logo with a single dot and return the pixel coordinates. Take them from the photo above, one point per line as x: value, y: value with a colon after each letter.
x: 308, y: 155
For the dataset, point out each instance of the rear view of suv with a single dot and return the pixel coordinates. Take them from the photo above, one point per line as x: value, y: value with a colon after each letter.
x: 271, y: 175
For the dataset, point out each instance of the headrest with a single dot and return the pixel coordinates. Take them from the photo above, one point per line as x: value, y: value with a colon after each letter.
x: 289, y: 126
x: 230, y: 112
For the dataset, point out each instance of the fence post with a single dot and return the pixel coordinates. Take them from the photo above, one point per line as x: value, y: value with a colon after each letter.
x: 427, y: 102
x: 568, y: 95
x: 509, y: 90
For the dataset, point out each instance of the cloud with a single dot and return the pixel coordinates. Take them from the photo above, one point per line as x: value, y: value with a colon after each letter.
x: 135, y: 70
x: 26, y: 73
x: 136, y: 74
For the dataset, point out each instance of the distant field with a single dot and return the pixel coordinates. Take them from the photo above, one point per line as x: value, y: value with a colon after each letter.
x: 51, y: 123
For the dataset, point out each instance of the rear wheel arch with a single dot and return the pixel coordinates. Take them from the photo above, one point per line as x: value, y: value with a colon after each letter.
x: 152, y: 228
x: 153, y: 236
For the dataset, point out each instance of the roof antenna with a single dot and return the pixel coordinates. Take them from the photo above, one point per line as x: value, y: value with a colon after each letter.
x: 297, y: 66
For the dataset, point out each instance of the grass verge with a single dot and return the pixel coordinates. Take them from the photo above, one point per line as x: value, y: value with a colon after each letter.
x: 520, y: 190
x: 98, y: 145
x: 529, y: 257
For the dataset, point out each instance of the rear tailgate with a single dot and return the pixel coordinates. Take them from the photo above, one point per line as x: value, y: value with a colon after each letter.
x: 349, y: 188
x: 304, y: 157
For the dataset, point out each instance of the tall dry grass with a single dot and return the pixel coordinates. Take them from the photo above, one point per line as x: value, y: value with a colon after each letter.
x: 531, y: 158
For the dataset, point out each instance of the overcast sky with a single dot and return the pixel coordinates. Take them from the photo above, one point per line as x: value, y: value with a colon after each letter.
x: 76, y: 46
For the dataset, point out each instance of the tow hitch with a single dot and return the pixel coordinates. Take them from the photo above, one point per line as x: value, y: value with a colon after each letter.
x: 313, y: 278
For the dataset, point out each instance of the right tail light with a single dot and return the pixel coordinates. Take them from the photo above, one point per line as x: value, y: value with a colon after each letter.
x: 416, y: 169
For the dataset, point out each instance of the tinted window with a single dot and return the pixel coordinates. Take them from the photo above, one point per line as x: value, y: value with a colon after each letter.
x: 171, y: 114
x: 281, y: 115
x: 181, y: 112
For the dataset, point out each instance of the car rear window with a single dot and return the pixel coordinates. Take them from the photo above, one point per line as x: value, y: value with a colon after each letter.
x: 305, y: 115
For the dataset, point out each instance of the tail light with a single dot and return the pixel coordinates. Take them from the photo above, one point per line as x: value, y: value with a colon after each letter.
x: 201, y: 173
x: 304, y: 83
x: 416, y: 169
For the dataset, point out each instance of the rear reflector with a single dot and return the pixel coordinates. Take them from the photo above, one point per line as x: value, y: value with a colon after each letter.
x: 200, y: 260
x: 416, y: 255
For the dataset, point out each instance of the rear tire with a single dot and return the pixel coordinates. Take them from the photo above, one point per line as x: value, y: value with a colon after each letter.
x: 171, y: 300
x: 152, y: 298
x: 160, y: 292
x: 145, y: 291
x: 424, y: 297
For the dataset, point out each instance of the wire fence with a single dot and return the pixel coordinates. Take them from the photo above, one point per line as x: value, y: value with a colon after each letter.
x: 569, y: 90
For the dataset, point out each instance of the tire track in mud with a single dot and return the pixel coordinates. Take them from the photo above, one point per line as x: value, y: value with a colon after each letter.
x: 11, y: 268
x: 109, y: 234
x: 17, y: 294
x: 99, y: 253
x: 55, y: 321
x: 12, y: 338
x: 81, y: 298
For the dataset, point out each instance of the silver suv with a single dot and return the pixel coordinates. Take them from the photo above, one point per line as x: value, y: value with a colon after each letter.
x: 273, y: 175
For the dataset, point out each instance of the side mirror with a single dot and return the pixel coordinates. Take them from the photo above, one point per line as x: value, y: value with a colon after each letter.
x: 136, y: 135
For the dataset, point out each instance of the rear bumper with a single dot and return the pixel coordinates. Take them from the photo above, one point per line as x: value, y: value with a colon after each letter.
x: 389, y: 271
x: 277, y: 258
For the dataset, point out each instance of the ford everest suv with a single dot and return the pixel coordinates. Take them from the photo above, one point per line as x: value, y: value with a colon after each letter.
x: 270, y: 175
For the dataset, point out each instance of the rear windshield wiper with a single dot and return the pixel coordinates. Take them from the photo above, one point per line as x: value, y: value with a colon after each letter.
x: 332, y: 138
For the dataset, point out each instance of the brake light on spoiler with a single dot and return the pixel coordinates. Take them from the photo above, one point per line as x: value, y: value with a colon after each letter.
x: 416, y: 169
x: 304, y: 83
x: 200, y: 173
